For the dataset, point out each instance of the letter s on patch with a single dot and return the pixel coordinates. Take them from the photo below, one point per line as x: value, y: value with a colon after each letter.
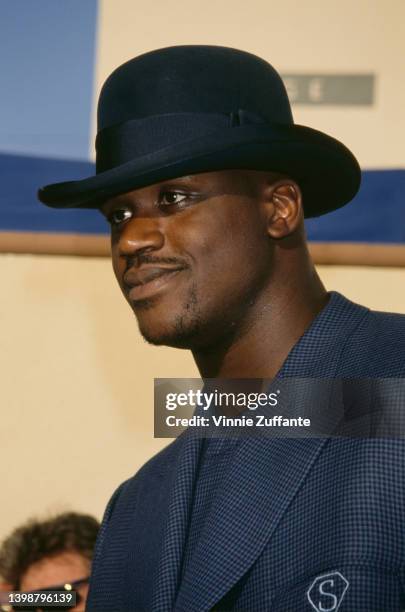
x: 326, y: 592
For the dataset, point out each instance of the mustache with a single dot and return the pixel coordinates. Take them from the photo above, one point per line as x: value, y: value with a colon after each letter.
x: 144, y: 258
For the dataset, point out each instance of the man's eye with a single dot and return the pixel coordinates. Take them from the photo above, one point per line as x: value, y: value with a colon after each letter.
x: 118, y: 216
x: 168, y: 198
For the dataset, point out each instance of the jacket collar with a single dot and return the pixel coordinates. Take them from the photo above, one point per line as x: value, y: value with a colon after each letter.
x: 318, y: 352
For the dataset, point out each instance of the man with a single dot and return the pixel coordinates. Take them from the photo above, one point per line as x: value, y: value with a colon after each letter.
x: 51, y: 554
x: 205, y: 181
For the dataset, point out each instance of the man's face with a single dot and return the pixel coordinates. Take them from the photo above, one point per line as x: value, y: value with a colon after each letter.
x: 57, y: 570
x: 191, y: 254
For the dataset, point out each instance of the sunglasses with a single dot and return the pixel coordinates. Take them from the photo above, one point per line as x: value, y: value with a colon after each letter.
x: 68, y: 598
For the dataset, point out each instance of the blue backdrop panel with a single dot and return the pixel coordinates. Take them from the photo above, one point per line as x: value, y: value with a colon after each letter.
x: 376, y: 215
x: 47, y: 53
x: 20, y: 210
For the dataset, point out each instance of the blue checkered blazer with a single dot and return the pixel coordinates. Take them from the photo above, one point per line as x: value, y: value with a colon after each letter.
x: 297, y: 525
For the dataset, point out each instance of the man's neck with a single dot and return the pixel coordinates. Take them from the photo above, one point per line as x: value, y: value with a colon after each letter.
x: 279, y: 318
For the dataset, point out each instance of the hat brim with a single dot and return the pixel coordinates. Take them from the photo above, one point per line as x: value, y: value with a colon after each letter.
x: 326, y: 171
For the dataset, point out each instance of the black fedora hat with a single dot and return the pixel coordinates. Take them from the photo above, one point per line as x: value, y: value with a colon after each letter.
x: 198, y: 108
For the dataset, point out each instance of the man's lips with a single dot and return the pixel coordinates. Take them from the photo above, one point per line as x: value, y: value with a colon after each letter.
x: 144, y: 282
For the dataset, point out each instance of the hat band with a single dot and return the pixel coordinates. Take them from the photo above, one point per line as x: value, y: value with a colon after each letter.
x: 126, y: 141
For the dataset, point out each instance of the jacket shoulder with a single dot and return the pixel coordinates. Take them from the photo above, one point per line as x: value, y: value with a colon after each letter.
x: 377, y: 348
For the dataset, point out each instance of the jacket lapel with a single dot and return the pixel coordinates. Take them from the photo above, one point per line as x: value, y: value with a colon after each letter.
x: 265, y: 474
x: 264, y: 478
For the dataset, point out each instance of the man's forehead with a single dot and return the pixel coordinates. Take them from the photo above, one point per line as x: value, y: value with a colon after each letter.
x: 221, y: 181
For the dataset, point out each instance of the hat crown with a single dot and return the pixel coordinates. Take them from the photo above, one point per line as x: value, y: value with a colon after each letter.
x: 201, y: 108
x: 193, y: 79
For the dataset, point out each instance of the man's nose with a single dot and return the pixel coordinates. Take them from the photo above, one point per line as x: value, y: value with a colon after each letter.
x: 140, y: 234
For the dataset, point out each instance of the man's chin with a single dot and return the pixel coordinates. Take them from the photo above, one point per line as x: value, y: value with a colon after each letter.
x: 167, y: 338
x: 175, y: 333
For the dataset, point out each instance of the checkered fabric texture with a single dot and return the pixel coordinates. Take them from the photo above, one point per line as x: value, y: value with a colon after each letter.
x: 283, y: 524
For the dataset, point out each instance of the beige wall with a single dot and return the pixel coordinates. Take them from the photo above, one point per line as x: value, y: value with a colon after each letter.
x: 77, y: 379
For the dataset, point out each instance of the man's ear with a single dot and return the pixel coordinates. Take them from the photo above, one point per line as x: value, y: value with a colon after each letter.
x: 283, y: 208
